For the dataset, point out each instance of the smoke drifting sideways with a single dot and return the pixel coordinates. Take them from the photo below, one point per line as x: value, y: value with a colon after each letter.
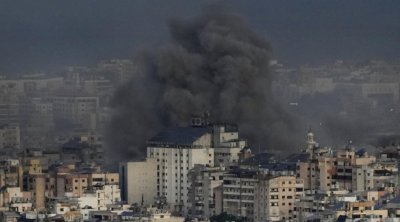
x: 215, y: 63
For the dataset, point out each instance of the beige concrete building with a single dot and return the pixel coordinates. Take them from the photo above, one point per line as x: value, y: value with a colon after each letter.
x: 205, y: 181
x: 76, y: 184
x: 356, y: 210
x: 40, y: 189
x: 103, y: 178
x: 33, y: 166
x: 227, y: 144
x: 138, y: 181
x: 258, y: 197
x: 326, y: 170
x: 276, y: 198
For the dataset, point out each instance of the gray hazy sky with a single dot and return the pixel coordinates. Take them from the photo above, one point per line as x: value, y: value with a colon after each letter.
x: 45, y: 35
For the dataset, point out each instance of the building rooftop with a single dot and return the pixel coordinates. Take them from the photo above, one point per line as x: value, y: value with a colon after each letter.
x: 128, y: 214
x: 179, y: 136
x: 260, y: 159
x: 297, y: 157
x: 395, y: 200
x: 243, y: 173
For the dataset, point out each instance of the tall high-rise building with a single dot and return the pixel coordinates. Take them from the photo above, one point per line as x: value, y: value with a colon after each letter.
x: 176, y: 151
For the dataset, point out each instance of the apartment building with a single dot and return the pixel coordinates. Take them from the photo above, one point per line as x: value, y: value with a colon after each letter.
x: 362, y: 209
x: 326, y: 170
x: 75, y: 109
x: 138, y: 181
x: 238, y: 193
x: 204, y: 184
x: 176, y: 151
x: 276, y: 198
x: 227, y: 144
x: 255, y: 196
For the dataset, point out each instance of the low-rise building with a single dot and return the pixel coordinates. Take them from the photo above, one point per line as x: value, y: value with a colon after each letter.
x: 362, y: 209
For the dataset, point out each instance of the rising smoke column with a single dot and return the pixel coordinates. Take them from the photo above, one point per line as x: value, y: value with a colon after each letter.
x: 214, y: 64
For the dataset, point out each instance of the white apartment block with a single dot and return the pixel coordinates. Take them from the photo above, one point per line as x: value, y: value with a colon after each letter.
x: 100, y: 196
x: 176, y: 151
x: 171, y: 154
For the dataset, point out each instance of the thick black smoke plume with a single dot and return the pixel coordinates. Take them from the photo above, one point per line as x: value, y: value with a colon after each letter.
x: 215, y: 64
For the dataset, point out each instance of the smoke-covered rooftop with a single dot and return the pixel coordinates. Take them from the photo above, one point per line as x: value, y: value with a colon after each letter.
x: 178, y: 136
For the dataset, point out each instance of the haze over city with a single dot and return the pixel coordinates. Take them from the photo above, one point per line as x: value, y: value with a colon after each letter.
x: 53, y: 34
